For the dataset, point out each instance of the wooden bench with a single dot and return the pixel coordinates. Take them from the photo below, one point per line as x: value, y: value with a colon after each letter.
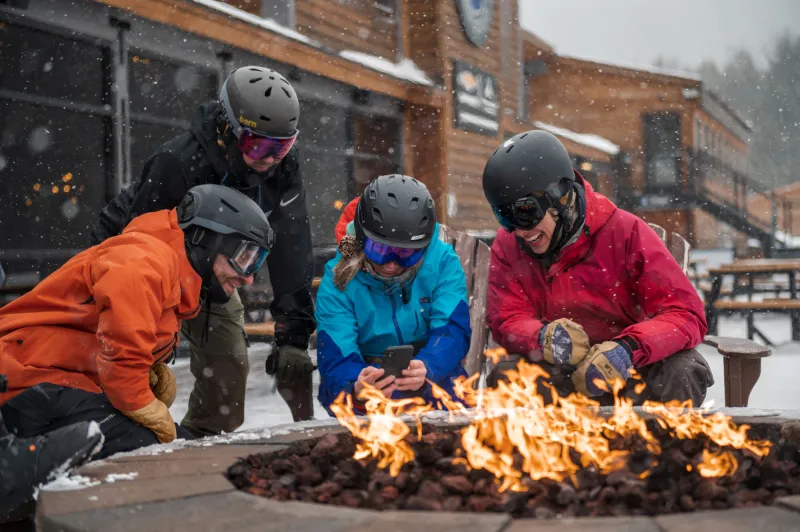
x: 749, y: 308
x: 741, y: 357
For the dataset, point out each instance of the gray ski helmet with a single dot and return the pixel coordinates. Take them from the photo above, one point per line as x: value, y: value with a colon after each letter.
x: 396, y: 210
x: 225, y: 211
x: 262, y: 100
x: 526, y: 163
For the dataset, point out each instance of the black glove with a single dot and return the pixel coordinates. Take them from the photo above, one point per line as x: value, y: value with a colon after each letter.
x: 289, y: 364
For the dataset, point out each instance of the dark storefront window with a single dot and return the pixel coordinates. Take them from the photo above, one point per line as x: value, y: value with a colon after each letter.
x: 49, y: 65
x: 51, y: 162
x: 342, y: 150
x: 165, y: 89
x: 54, y: 141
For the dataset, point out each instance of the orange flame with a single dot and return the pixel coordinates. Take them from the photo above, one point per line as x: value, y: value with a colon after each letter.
x: 383, y: 432
x: 544, y: 429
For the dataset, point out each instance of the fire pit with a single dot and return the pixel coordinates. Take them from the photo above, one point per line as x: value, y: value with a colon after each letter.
x: 529, y: 455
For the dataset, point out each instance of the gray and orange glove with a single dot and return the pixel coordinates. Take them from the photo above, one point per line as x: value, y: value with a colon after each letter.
x: 157, y: 418
x: 162, y: 384
x: 564, y: 342
x: 606, y: 362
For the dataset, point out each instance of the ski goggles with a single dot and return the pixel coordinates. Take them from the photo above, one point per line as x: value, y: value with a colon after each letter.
x: 260, y: 147
x: 525, y: 213
x: 383, y: 253
x: 248, y: 258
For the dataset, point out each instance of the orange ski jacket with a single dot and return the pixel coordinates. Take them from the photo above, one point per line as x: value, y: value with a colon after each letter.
x: 104, y: 318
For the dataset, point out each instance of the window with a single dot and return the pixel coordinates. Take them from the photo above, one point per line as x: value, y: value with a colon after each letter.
x: 49, y: 65
x: 167, y: 90
x: 52, y: 176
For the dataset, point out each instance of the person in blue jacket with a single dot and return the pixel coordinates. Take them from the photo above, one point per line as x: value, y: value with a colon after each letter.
x: 392, y: 283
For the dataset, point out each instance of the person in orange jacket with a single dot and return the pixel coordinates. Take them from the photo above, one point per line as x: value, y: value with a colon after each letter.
x: 348, y: 215
x: 91, y: 341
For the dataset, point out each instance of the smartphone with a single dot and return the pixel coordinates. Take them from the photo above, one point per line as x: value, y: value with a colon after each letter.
x: 396, y: 359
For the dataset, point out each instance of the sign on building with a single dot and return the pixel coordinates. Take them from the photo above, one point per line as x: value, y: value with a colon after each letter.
x: 476, y: 17
x: 477, y: 101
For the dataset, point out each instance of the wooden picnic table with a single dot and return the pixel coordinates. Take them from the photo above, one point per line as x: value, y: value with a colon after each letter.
x: 749, y: 269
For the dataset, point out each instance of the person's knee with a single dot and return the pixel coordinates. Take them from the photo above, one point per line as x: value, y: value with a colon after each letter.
x: 684, y: 375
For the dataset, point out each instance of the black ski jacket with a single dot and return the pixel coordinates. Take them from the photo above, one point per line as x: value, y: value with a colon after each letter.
x: 194, y: 158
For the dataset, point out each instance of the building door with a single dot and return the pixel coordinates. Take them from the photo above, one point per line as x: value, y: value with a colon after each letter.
x: 662, y: 150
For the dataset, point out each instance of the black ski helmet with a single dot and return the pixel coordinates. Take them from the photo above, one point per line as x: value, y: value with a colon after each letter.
x: 218, y: 219
x: 396, y: 210
x: 261, y: 100
x: 529, y: 162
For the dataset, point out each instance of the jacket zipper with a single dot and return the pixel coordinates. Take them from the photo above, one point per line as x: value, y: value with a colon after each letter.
x: 394, y: 319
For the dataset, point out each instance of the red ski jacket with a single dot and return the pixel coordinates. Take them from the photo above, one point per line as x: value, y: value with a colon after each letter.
x: 617, y: 280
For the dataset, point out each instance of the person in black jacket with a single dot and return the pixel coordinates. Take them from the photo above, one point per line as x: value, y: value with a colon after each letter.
x: 245, y: 141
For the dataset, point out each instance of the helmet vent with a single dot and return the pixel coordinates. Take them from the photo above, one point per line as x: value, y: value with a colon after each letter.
x: 293, y: 119
x: 524, y: 135
x: 255, y: 80
x: 287, y: 92
x: 268, y: 92
x: 265, y: 118
x: 228, y: 205
x: 272, y: 78
x: 510, y: 148
x: 392, y: 199
x: 284, y: 80
x: 423, y: 222
x: 376, y: 213
x: 256, y: 70
x: 373, y: 194
x: 414, y: 204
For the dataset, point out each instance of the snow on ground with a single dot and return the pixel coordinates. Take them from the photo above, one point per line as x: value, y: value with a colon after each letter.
x: 776, y: 389
x: 263, y: 406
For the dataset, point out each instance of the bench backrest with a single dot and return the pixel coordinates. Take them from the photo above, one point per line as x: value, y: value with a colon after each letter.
x: 678, y: 247
x: 474, y: 256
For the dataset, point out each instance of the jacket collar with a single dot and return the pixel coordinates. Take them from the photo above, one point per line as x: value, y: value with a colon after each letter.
x: 598, y: 211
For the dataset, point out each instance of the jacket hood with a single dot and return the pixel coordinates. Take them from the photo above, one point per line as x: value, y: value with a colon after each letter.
x: 163, y: 225
x: 204, y: 129
x: 598, y: 207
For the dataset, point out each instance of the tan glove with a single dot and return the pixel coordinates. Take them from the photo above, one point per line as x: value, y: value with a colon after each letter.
x: 162, y: 384
x: 157, y: 418
x: 564, y: 342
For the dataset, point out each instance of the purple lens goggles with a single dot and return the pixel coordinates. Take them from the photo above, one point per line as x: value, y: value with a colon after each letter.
x: 260, y: 147
x: 382, y: 253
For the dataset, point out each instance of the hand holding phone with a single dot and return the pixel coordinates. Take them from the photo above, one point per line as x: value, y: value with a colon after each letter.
x: 396, y: 359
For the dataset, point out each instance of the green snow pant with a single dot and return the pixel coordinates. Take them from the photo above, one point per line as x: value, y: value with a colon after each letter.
x: 220, y: 368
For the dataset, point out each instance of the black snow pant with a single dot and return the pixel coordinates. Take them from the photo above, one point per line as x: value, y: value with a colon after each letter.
x: 46, y: 407
x: 684, y: 375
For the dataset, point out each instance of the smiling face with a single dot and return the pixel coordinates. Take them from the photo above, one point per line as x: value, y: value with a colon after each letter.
x: 540, y: 236
x: 390, y: 269
x: 227, y: 276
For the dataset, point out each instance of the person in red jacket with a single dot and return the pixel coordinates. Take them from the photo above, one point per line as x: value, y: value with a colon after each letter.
x: 584, y: 288
x: 348, y: 215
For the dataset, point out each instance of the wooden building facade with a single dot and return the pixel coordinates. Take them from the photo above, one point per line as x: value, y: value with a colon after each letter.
x: 90, y: 88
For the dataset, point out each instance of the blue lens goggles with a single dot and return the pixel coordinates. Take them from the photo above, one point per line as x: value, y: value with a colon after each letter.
x: 383, y: 253
x: 248, y: 258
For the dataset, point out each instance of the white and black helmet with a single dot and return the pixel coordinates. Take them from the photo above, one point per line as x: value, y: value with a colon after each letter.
x: 261, y: 100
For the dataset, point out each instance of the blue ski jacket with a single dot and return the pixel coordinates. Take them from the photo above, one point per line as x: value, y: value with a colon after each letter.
x: 368, y: 316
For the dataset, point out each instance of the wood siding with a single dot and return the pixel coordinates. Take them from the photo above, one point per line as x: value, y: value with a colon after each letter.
x: 358, y: 25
